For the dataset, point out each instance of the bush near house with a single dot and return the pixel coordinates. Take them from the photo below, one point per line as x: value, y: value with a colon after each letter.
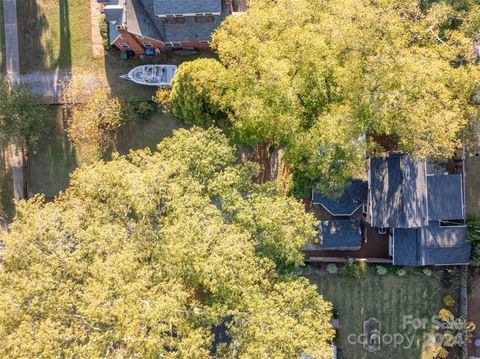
x: 445, y: 315
x: 442, y: 353
x: 356, y: 270
x: 427, y: 272
x: 473, y: 237
x: 332, y: 268
x: 104, y: 32
x: 448, y: 301
x: 381, y: 270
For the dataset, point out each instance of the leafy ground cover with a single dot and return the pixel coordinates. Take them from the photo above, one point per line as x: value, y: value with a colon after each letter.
x: 389, y: 299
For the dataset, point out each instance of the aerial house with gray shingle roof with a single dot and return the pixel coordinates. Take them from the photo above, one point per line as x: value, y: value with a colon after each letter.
x: 421, y: 213
x: 138, y: 25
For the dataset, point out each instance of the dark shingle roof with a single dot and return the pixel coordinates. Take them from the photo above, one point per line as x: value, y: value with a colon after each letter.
x: 398, y: 192
x: 338, y: 234
x: 432, y: 245
x: 178, y: 7
x: 445, y: 197
x: 141, y: 19
x: 352, y: 197
x: 114, y: 13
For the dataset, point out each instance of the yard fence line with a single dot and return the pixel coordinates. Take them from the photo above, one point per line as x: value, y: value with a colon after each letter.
x: 464, y: 305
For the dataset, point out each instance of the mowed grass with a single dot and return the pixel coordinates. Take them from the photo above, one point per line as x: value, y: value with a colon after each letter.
x: 386, y: 298
x: 56, y: 158
x: 147, y: 134
x: 54, y: 34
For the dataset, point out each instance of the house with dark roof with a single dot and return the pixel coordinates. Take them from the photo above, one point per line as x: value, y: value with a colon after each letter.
x: 340, y: 228
x: 138, y: 25
x: 421, y: 213
x: 351, y: 199
x: 338, y: 234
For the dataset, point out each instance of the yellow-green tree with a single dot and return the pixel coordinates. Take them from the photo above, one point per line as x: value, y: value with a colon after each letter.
x: 148, y: 255
x: 97, y: 120
x: 22, y: 116
x: 197, y: 91
x: 316, y: 77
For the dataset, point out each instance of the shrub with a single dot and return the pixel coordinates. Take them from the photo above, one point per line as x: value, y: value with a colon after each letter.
x: 401, y: 272
x: 427, y: 272
x: 358, y: 271
x: 332, y: 268
x: 381, y: 270
x: 473, y: 236
x: 449, y: 339
x: 475, y: 259
x: 448, y: 301
x: 162, y: 99
x: 104, y: 31
x: 451, y: 277
x: 98, y: 120
x: 442, y: 353
x: 144, y: 109
x: 445, y: 315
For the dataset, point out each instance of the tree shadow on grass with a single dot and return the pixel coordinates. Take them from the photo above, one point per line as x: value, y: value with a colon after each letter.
x: 65, y: 54
x: 37, y: 51
x: 32, y: 24
x: 49, y: 169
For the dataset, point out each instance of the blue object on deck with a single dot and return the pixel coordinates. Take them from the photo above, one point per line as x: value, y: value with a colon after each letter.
x: 149, y: 52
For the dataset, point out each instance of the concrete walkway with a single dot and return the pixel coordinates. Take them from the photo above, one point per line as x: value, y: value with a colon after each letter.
x: 48, y: 85
x: 11, y: 39
x: 15, y: 157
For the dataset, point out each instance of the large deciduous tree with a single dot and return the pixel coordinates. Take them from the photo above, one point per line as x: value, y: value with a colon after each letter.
x: 196, y: 96
x: 22, y: 116
x: 150, y: 255
x: 316, y: 76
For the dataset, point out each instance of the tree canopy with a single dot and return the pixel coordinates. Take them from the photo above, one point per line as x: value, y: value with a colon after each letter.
x: 22, y: 116
x: 196, y: 94
x: 150, y: 255
x: 97, y: 119
x: 319, y: 77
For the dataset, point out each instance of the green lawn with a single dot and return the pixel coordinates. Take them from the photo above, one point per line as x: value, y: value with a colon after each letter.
x: 49, y: 169
x: 142, y: 134
x: 54, y: 34
x: 388, y: 299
